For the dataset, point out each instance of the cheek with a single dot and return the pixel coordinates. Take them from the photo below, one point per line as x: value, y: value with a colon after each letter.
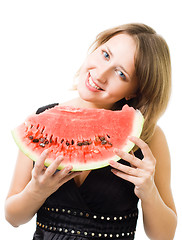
x: 82, y: 73
x: 116, y: 88
x: 120, y: 90
x: 83, y: 68
x: 115, y: 95
x: 92, y: 61
x: 87, y: 65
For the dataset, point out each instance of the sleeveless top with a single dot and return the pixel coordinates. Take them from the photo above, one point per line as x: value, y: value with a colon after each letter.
x: 103, y: 207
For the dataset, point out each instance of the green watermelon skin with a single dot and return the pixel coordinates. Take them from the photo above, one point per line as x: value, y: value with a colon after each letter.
x: 85, y: 138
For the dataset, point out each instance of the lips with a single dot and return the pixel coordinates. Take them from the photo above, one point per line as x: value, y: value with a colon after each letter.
x: 91, y: 85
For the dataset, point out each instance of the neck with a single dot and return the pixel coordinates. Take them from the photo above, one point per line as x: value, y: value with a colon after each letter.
x: 79, y: 102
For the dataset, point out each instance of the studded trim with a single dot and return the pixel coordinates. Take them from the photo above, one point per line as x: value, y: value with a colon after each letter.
x: 120, y: 233
x: 84, y: 233
x: 91, y: 215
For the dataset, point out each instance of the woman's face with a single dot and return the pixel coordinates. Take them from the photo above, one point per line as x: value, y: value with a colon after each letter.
x: 108, y: 74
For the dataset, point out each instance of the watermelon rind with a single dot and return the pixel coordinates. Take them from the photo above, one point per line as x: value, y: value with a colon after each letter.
x: 137, y: 129
x: 29, y: 153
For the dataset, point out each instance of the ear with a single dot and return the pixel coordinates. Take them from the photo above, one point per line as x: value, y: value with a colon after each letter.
x: 130, y: 97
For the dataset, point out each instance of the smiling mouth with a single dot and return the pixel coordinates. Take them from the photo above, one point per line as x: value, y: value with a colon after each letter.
x: 93, y: 84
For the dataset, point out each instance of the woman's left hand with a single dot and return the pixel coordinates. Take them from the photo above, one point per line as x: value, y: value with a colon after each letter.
x: 140, y: 173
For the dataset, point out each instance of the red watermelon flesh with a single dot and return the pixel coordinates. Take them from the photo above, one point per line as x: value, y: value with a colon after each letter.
x: 85, y: 138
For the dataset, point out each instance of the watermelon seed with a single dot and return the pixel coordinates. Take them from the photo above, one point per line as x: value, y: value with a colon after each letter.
x: 51, y: 138
x: 30, y: 137
x: 85, y: 142
x: 37, y: 126
x: 102, y: 138
x: 42, y: 130
x: 41, y: 139
x: 72, y: 142
x: 108, y: 136
x: 103, y: 142
x: 110, y: 143
x: 62, y: 140
x: 67, y: 143
x: 46, y: 142
x: 79, y: 144
x: 42, y: 144
x: 36, y: 140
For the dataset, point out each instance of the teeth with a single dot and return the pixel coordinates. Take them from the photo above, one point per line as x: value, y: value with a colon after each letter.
x: 92, y: 83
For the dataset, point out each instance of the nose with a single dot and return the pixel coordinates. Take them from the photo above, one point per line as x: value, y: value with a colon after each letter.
x: 102, y: 74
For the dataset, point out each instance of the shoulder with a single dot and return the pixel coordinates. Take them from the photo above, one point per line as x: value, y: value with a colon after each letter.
x: 158, y: 143
x: 160, y: 150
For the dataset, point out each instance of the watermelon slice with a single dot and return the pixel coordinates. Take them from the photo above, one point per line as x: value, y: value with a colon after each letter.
x: 85, y: 137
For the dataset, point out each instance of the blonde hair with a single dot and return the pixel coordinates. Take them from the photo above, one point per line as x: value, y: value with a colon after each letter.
x: 152, y: 69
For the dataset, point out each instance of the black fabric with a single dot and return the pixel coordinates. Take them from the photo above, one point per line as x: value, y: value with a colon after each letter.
x: 42, y: 109
x: 102, y: 194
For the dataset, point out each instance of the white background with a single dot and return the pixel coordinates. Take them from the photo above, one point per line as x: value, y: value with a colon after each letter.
x: 43, y: 43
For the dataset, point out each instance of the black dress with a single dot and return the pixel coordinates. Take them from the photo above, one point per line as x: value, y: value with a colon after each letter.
x: 103, y: 207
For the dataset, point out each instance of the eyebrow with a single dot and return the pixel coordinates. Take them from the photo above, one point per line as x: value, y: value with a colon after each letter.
x: 108, y: 49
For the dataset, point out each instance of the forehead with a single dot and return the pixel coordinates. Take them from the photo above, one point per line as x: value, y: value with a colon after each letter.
x: 123, y: 48
x: 122, y: 43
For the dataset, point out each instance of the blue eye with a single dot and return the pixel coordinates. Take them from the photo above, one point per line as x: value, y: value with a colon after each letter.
x: 106, y: 55
x: 122, y: 75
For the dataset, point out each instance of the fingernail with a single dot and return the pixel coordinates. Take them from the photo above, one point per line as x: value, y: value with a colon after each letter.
x: 130, y: 138
x: 69, y: 168
x: 111, y: 162
x: 114, y: 171
x: 60, y: 158
x: 116, y: 150
x: 45, y: 152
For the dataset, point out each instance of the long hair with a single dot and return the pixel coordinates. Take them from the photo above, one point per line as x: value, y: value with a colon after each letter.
x: 152, y: 69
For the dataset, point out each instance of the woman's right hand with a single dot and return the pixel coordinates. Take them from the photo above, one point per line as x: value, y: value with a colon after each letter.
x: 46, y: 181
x: 30, y: 188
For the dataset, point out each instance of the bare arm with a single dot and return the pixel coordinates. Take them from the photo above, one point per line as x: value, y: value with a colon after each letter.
x: 159, y: 211
x: 30, y: 188
x: 151, y: 178
x: 21, y: 177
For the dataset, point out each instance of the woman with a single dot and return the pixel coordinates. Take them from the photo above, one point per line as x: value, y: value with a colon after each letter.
x: 127, y: 64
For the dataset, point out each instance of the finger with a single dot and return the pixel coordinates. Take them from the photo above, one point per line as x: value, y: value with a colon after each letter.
x: 134, y: 161
x: 53, y: 167
x: 69, y: 176
x: 126, y: 169
x: 132, y: 153
x: 142, y: 145
x: 63, y: 172
x: 39, y: 164
x: 129, y: 178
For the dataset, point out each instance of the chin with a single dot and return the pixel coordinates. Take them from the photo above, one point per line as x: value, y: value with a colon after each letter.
x: 85, y: 96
